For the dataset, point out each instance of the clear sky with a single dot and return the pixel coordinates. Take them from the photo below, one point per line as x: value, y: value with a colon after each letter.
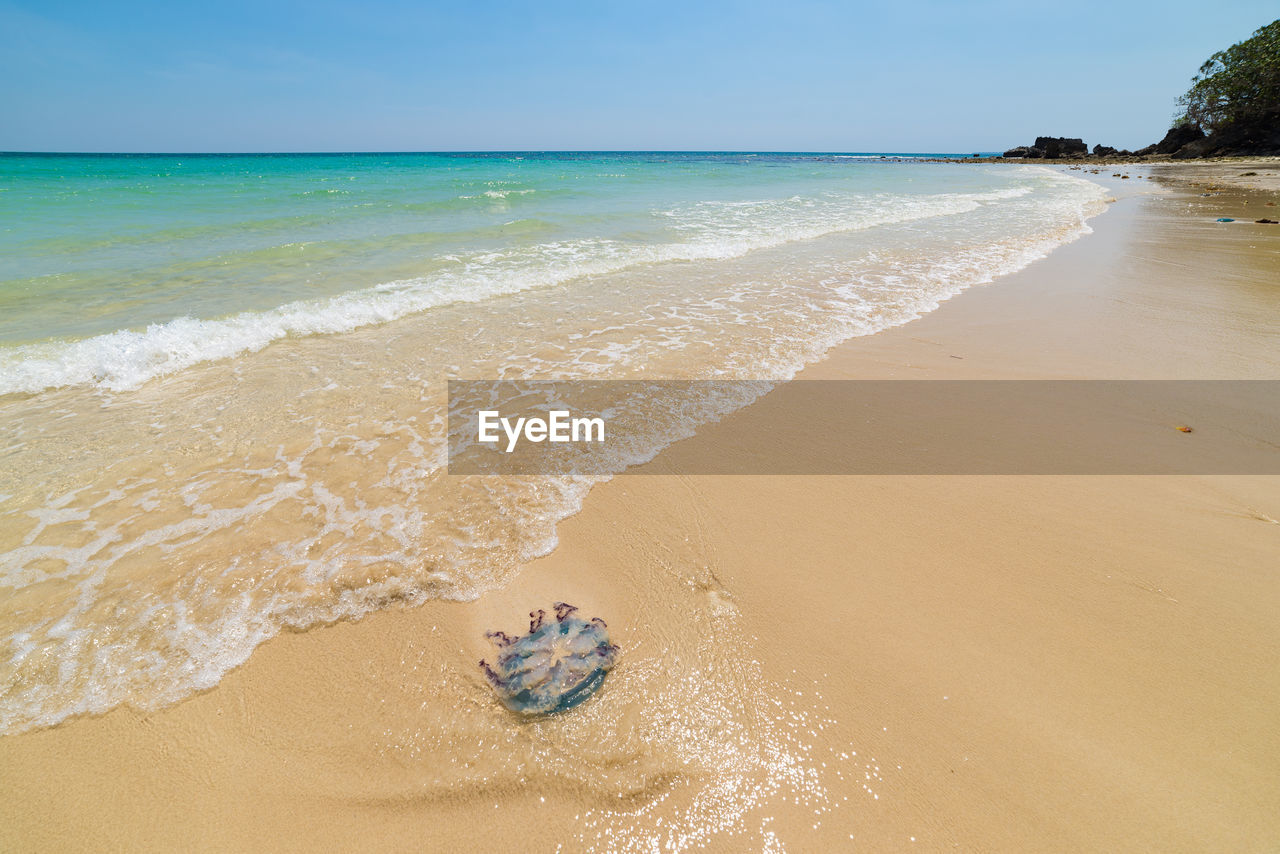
x: 379, y: 75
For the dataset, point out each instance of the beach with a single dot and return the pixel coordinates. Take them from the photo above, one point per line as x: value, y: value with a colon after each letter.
x: 807, y: 663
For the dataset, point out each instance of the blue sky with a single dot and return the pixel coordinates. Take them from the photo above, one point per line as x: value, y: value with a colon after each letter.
x: 228, y: 75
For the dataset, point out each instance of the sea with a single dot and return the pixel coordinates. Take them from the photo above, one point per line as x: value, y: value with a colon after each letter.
x: 223, y: 377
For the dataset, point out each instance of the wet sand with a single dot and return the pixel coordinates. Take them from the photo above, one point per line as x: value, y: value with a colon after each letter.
x: 928, y: 662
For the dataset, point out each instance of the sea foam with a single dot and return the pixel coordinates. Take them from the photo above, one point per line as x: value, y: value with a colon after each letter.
x: 127, y: 358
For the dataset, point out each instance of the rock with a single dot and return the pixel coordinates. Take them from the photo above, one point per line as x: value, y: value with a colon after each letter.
x: 1145, y: 152
x: 1260, y: 137
x: 1051, y: 147
x: 1058, y: 146
x: 1104, y: 151
x: 1201, y: 147
x: 1265, y: 221
x: 1177, y: 137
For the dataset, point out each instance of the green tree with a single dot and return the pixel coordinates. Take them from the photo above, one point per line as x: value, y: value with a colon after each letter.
x: 1238, y: 85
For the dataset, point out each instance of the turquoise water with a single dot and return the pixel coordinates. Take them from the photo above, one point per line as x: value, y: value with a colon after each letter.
x: 98, y: 244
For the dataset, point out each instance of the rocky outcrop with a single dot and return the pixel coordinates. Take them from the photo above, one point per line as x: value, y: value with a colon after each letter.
x: 1202, y: 147
x: 1185, y: 141
x: 1050, y: 147
x: 1249, y: 139
x: 1060, y: 146
x: 1242, y: 139
x: 1177, y: 137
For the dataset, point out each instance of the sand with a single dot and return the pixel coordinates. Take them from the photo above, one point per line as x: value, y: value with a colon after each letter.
x: 811, y: 663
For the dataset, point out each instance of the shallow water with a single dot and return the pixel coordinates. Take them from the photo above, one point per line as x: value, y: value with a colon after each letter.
x: 225, y: 376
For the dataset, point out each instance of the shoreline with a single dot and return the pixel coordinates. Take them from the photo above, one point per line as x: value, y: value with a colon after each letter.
x: 965, y: 614
x: 1271, y: 162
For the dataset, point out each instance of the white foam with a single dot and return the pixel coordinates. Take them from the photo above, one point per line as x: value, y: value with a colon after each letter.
x: 125, y: 359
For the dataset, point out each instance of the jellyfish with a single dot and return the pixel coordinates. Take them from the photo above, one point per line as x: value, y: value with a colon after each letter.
x: 560, y: 663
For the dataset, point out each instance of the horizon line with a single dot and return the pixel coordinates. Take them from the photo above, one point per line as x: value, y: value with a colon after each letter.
x: 479, y: 151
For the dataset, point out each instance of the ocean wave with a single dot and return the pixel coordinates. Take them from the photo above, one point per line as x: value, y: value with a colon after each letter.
x: 126, y: 359
x: 500, y: 194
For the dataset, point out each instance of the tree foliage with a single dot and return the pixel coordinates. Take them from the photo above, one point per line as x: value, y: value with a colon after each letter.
x: 1237, y: 85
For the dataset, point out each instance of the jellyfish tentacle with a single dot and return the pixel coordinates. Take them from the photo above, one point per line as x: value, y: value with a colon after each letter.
x: 488, y: 671
x: 500, y: 638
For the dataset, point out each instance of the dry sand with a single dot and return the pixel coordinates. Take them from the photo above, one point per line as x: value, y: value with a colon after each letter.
x: 821, y: 663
